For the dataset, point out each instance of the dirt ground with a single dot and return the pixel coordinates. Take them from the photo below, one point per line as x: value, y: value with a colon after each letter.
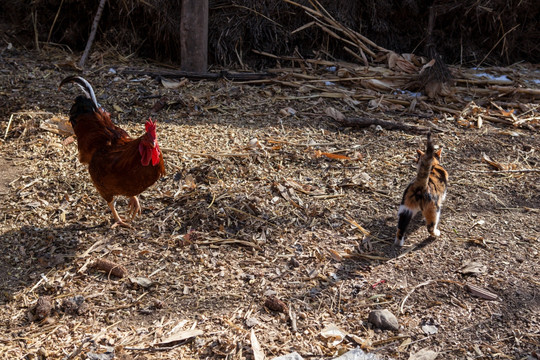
x: 253, y: 205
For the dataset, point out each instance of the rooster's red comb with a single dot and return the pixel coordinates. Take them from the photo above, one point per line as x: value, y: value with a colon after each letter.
x: 150, y: 126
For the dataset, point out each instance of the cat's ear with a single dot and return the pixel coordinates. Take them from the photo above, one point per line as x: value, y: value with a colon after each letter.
x: 438, y: 153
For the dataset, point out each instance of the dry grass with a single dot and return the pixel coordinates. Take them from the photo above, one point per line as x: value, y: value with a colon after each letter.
x: 236, y: 220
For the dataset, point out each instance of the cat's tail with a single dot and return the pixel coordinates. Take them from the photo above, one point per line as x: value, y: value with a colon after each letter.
x: 425, y: 164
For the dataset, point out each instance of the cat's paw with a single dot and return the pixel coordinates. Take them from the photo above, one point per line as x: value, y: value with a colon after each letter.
x: 436, y: 232
x: 399, y: 242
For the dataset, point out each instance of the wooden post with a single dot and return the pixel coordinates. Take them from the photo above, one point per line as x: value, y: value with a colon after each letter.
x: 194, y: 36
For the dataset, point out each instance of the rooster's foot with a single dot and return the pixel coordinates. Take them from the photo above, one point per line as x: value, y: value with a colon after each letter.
x: 134, y: 207
x: 121, y: 223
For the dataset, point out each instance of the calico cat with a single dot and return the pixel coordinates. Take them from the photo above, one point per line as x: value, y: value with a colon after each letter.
x: 425, y: 193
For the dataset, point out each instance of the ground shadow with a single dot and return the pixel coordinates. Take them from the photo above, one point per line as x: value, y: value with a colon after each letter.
x: 28, y: 253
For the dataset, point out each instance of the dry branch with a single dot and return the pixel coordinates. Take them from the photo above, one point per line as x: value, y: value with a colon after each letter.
x: 92, y: 33
x: 200, y: 76
x: 361, y: 122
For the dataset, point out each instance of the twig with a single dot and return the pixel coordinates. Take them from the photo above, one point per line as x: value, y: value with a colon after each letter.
x: 169, y: 150
x: 362, y: 122
x: 505, y: 171
x: 92, y: 33
x: 54, y: 21
x: 424, y: 284
x: 212, y: 241
x: 497, y: 43
x: 510, y: 89
x: 201, y: 76
x: 34, y: 21
x: 248, y: 214
x: 8, y: 125
x: 410, y: 293
x: 156, y: 349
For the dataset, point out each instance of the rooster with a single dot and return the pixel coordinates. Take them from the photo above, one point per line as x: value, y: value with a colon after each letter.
x: 117, y: 163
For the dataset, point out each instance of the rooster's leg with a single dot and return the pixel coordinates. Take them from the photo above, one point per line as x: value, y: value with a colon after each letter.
x: 134, y: 207
x: 119, y: 221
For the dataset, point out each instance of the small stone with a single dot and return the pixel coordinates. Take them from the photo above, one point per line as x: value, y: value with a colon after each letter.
x: 429, y: 329
x: 358, y: 354
x: 251, y: 322
x: 290, y: 356
x: 383, y: 319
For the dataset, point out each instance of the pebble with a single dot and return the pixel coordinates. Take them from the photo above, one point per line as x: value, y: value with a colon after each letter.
x: 383, y: 319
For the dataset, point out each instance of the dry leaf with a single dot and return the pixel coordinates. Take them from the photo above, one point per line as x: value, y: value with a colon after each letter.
x: 179, y: 336
x: 424, y: 354
x: 319, y: 153
x: 507, y: 113
x: 287, y: 111
x: 335, y: 255
x: 428, y: 65
x: 141, y: 281
x: 68, y: 140
x: 57, y: 125
x: 376, y: 84
x: 160, y: 104
x: 333, y: 335
x: 68, y: 65
x: 404, y: 344
x: 258, y: 353
x: 173, y: 84
x: 334, y: 114
x: 117, y: 108
x: 473, y: 267
x: 495, y: 164
x: 189, y: 182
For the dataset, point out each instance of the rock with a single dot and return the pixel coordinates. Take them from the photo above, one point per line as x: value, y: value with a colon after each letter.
x: 291, y: 356
x: 383, y: 319
x: 429, y: 327
x: 358, y: 354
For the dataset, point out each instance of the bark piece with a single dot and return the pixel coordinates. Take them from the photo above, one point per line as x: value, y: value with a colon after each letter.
x: 480, y: 292
x: 273, y: 303
x: 110, y: 268
x: 42, y: 309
